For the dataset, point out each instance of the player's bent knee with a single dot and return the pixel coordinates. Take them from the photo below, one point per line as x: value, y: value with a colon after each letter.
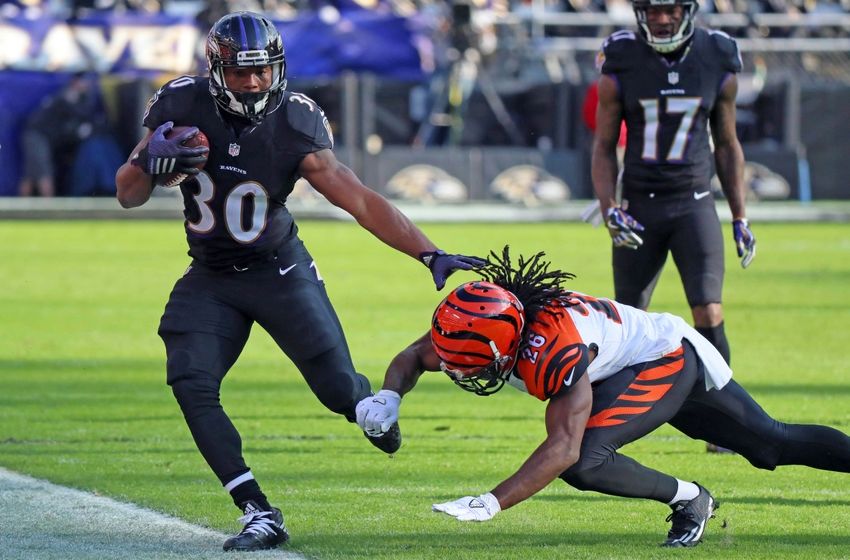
x: 766, y: 459
x: 582, y: 476
x: 194, y: 394
x: 178, y: 366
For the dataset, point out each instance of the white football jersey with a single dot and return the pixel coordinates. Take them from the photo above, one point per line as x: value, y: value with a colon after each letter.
x: 622, y: 336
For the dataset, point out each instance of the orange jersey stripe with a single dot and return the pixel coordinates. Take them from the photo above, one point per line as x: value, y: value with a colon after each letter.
x: 667, y: 369
x: 651, y: 393
x: 606, y: 417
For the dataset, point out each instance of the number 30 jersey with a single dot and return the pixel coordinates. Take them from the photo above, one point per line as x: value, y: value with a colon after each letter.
x: 235, y: 208
x: 667, y: 106
x: 555, y: 351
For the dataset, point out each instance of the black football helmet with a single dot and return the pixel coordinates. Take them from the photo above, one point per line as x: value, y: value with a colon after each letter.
x: 246, y: 39
x: 679, y: 36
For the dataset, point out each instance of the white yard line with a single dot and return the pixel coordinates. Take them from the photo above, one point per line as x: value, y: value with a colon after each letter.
x: 42, y: 521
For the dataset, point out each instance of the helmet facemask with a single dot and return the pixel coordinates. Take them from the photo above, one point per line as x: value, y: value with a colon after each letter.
x: 679, y: 37
x: 246, y: 40
x: 484, y: 381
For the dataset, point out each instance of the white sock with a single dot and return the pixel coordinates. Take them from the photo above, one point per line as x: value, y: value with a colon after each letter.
x: 686, y: 492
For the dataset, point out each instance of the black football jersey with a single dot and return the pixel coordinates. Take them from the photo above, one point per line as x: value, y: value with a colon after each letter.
x: 235, y: 208
x: 667, y: 105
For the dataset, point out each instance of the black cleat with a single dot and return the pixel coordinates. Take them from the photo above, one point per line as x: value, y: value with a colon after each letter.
x: 689, y: 520
x: 389, y: 441
x: 263, y: 530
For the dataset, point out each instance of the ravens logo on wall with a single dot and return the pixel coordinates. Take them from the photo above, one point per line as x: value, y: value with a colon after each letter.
x: 529, y: 185
x: 428, y: 184
x: 760, y: 183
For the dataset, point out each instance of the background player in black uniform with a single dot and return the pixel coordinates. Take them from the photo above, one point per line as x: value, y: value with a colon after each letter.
x: 248, y: 264
x: 669, y: 81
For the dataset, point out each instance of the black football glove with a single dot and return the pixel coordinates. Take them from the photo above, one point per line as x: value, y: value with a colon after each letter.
x: 623, y: 229
x: 442, y: 265
x: 745, y: 241
x: 169, y: 155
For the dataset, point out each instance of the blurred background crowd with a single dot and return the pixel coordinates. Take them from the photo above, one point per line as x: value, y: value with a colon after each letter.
x: 430, y: 100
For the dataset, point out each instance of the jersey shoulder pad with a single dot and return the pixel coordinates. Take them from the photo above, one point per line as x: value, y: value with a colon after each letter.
x: 616, y: 51
x: 309, y: 122
x: 174, y: 100
x: 725, y: 50
x: 562, y: 368
x: 553, y: 356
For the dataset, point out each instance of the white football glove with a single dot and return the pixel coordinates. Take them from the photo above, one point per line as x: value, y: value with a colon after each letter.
x: 377, y: 413
x: 469, y: 508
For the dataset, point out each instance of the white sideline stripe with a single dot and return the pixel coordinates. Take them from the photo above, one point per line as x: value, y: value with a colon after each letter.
x: 43, y: 521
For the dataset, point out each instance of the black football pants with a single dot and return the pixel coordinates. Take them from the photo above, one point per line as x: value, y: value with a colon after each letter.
x: 678, y: 224
x: 639, y: 399
x: 207, y: 322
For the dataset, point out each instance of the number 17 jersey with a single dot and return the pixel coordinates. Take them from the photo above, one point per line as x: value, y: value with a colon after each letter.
x: 667, y: 104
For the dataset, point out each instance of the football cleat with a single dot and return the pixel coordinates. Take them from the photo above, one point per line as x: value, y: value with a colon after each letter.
x: 389, y: 441
x: 263, y: 529
x: 689, y: 520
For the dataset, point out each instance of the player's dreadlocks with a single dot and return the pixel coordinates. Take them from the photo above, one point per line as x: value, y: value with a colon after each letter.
x: 531, y: 281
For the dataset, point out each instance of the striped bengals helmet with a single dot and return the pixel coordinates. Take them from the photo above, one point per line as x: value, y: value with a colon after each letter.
x: 476, y: 332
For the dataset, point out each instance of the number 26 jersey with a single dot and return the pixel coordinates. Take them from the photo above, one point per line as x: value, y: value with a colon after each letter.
x: 556, y: 348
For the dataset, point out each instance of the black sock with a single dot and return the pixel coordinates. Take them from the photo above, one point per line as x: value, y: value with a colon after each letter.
x: 250, y: 491
x: 717, y: 336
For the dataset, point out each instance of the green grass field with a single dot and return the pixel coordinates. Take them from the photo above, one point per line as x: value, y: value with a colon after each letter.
x: 83, y: 401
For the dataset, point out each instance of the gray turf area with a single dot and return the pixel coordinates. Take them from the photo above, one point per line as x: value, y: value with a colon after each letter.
x: 43, y: 521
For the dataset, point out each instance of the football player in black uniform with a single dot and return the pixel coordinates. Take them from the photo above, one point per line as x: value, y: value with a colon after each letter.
x: 669, y: 81
x: 248, y: 264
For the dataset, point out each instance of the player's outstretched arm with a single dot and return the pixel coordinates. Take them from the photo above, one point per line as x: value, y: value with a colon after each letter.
x: 343, y: 189
x: 566, y: 418
x: 375, y: 414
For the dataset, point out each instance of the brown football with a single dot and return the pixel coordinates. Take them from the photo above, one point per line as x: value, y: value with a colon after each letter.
x: 174, y: 179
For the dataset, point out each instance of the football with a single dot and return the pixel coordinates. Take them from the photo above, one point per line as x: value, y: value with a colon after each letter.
x: 174, y: 179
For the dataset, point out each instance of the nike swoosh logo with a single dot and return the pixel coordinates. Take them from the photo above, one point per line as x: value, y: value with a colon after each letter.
x: 283, y: 271
x: 699, y: 195
x: 568, y: 381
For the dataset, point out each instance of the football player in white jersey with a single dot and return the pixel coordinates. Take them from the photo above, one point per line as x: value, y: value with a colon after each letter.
x: 610, y: 374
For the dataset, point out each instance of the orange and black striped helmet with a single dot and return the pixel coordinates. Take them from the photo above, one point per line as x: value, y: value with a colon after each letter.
x: 476, y: 332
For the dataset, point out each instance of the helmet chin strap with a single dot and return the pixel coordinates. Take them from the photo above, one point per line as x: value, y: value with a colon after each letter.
x: 496, y: 354
x: 677, y: 39
x: 237, y: 102
x: 673, y: 43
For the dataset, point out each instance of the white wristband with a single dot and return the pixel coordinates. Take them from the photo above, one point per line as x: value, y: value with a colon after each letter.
x: 491, y: 503
x: 388, y: 393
